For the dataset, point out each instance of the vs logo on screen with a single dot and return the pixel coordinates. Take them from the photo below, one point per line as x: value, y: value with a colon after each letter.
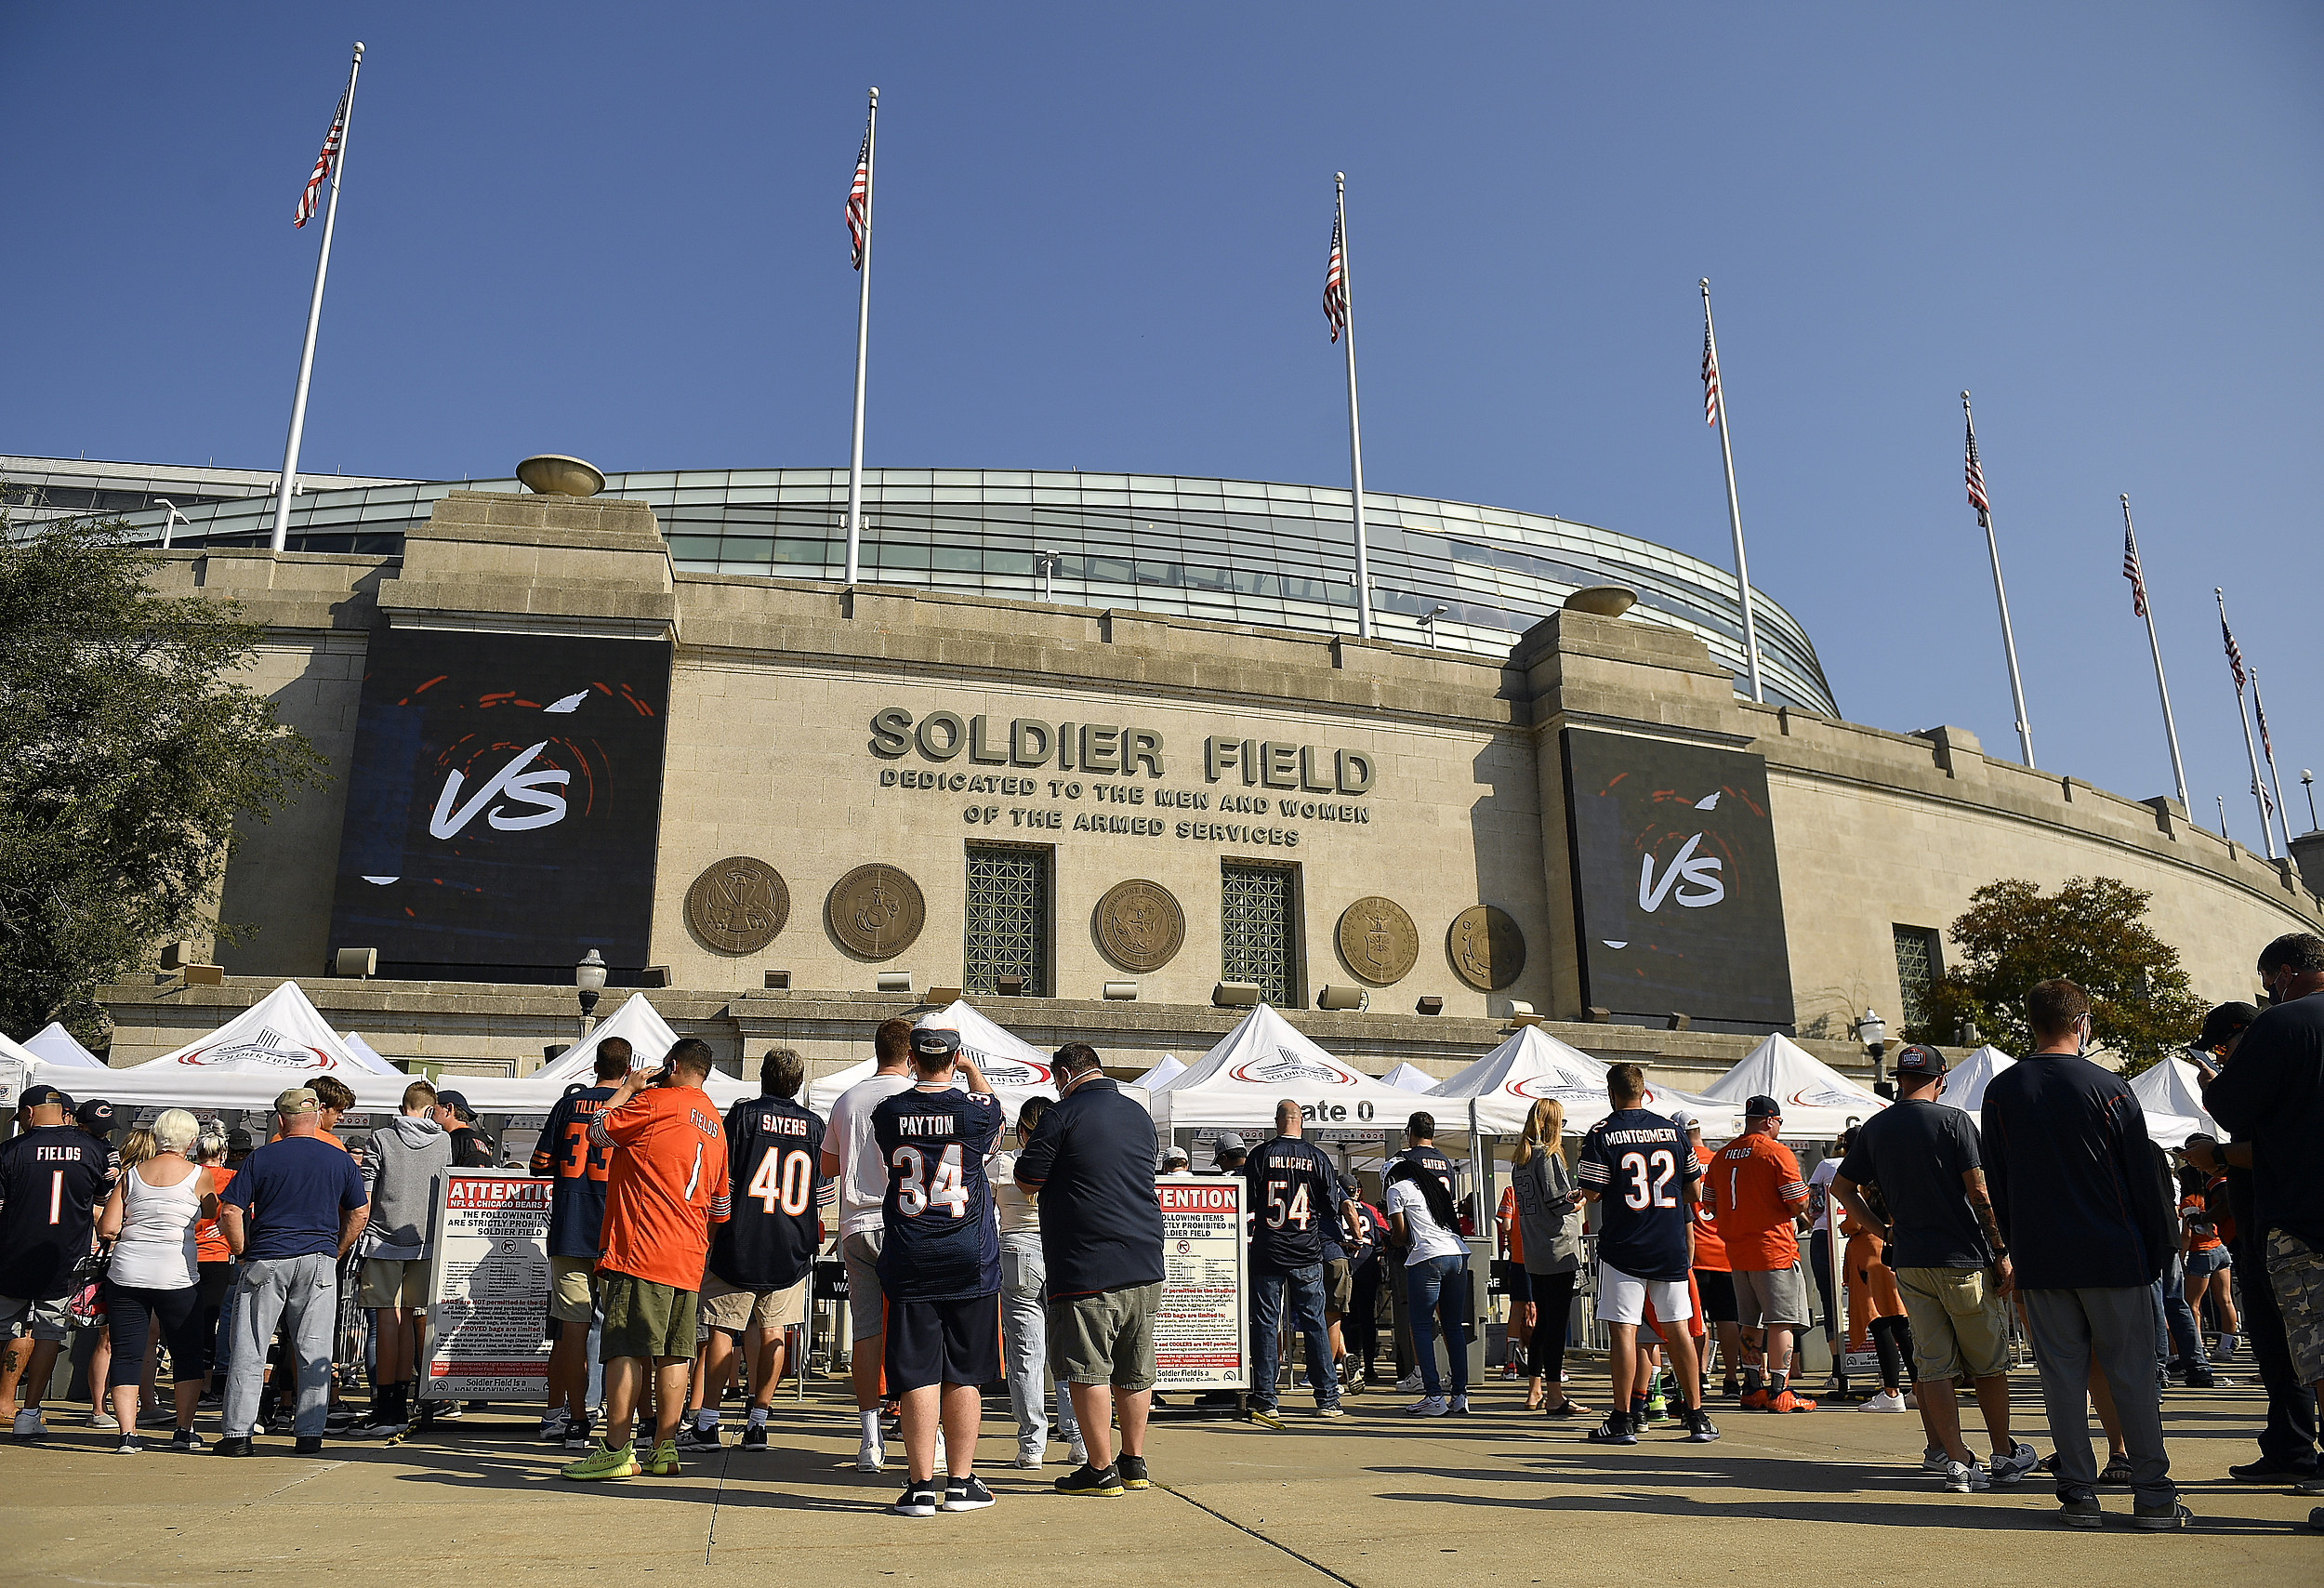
x: 504, y: 800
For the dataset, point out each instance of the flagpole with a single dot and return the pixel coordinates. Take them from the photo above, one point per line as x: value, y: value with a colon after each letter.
x: 288, y: 484
x: 863, y: 347
x: 2169, y: 727
x: 1356, y: 426
x: 1734, y: 509
x: 2268, y: 748
x: 2259, y: 795
x: 2000, y: 597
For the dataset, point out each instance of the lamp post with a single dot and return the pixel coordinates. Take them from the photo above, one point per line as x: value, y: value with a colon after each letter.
x: 1428, y: 623
x: 589, y: 981
x: 1872, y: 1031
x: 172, y: 518
x: 2307, y: 781
x: 1045, y: 564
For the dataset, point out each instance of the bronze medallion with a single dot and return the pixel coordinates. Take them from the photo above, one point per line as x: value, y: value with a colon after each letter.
x: 738, y: 905
x: 1487, y: 950
x: 1140, y: 925
x: 875, y: 910
x: 1378, y: 940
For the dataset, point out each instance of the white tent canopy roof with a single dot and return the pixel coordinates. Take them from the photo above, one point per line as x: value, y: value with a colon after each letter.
x: 1532, y: 1066
x: 276, y: 1043
x: 54, y: 1044
x: 2171, y: 1095
x: 1238, y: 1083
x: 637, y: 1021
x: 1165, y: 1069
x: 1410, y: 1077
x: 1966, y: 1081
x: 1016, y: 1068
x: 367, y: 1056
x: 1816, y: 1100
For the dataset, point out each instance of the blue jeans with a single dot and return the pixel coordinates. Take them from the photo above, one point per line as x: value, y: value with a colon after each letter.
x: 1433, y: 1294
x: 1304, y: 1287
x: 2176, y: 1335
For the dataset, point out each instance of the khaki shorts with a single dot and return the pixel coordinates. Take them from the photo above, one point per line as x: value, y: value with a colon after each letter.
x: 389, y: 1282
x: 733, y: 1309
x: 570, y: 1279
x: 646, y: 1320
x: 1107, y: 1338
x: 1959, y: 1322
x: 1339, y: 1287
x: 867, y: 1306
x: 1770, y: 1296
x: 2295, y: 1271
x: 41, y: 1319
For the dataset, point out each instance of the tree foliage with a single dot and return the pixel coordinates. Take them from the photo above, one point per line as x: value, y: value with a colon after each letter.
x: 128, y: 752
x: 2093, y: 931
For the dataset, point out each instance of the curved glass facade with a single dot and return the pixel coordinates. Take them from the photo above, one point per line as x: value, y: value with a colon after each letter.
x: 1231, y: 550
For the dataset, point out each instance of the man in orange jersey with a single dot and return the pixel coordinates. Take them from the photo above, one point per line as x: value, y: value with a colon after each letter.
x: 665, y: 1187
x: 1760, y: 1195
x: 1712, y: 1281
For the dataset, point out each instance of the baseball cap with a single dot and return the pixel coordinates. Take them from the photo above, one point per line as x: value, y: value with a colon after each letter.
x: 1229, y: 1140
x: 1175, y: 1155
x: 1684, y: 1121
x: 456, y: 1103
x: 1919, y: 1059
x: 2222, y: 1024
x: 936, y: 1042
x: 35, y: 1096
x: 1763, y: 1107
x: 95, y: 1114
x: 296, y: 1100
x: 238, y: 1140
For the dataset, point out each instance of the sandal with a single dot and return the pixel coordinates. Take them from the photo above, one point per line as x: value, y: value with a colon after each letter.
x: 1569, y: 1408
x: 2117, y: 1473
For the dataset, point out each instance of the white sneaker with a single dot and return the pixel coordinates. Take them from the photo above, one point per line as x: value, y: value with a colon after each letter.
x: 1029, y: 1457
x: 1934, y: 1459
x: 1409, y: 1384
x: 1887, y: 1400
x: 1457, y: 1405
x: 1428, y: 1406
x: 1080, y: 1453
x: 102, y: 1420
x: 1966, y: 1477
x: 871, y: 1456
x: 29, y: 1425
x: 2012, y: 1467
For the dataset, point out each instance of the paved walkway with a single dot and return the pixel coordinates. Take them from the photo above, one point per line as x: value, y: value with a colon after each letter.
x: 1374, y: 1501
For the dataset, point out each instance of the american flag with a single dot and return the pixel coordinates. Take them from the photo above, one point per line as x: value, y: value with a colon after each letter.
x: 1711, y: 380
x: 2234, y: 653
x: 1335, y: 285
x: 323, y: 166
x: 859, y: 202
x: 1974, y: 472
x: 2260, y: 712
x: 2131, y: 572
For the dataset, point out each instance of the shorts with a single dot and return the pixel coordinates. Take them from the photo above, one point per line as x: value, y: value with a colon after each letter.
x: 2202, y: 1263
x: 1339, y: 1286
x: 390, y: 1282
x: 1771, y: 1297
x: 2295, y: 1270
x: 866, y: 1314
x: 1959, y: 1322
x: 1106, y: 1338
x: 733, y: 1309
x: 1516, y: 1285
x: 1717, y: 1288
x: 1623, y: 1299
x: 943, y: 1342
x: 570, y: 1282
x: 41, y: 1319
x: 646, y: 1320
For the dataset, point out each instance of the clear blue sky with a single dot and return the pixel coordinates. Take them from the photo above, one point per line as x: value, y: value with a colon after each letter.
x: 616, y: 231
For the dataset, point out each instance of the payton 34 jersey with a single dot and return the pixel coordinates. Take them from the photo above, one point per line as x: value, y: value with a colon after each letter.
x: 1640, y: 1164
x: 769, y: 1242
x: 942, y: 1243
x: 1294, y: 1197
x: 577, y: 1166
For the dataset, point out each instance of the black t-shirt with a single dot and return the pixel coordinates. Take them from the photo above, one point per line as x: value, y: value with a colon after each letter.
x: 2072, y: 1174
x: 942, y: 1243
x: 1915, y: 1151
x: 1293, y: 1193
x: 51, y: 1177
x: 769, y: 1241
x: 1091, y: 1164
x: 470, y: 1149
x: 576, y: 1202
x: 2271, y: 1094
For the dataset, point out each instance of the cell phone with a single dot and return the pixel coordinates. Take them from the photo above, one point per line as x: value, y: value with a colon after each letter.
x: 662, y: 1077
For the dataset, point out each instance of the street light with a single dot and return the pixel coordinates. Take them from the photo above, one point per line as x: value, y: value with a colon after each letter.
x: 174, y: 517
x: 1428, y: 623
x: 1045, y: 564
x: 2307, y: 781
x: 1872, y: 1031
x: 588, y: 980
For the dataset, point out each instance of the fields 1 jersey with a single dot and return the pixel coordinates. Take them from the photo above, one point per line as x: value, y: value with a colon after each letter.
x: 52, y: 1178
x: 1759, y: 1189
x: 666, y: 1186
x: 1640, y: 1164
x: 772, y: 1148
x: 942, y: 1243
x: 1293, y: 1196
x: 565, y: 1153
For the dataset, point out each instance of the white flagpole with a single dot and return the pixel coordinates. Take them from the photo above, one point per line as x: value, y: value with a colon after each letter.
x: 288, y: 484
x: 2001, y: 596
x: 863, y: 347
x: 2268, y: 748
x: 2259, y: 795
x: 1356, y: 428
x: 2170, y: 728
x: 1735, y: 510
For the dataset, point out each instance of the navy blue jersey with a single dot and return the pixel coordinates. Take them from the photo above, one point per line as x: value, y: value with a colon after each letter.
x: 1436, y: 1163
x: 769, y: 1241
x: 52, y: 1177
x: 1640, y: 1163
x: 942, y: 1243
x: 576, y: 1202
x: 1294, y: 1197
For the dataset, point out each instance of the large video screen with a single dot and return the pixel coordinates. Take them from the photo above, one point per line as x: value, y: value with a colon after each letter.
x: 1674, y: 879
x: 504, y: 802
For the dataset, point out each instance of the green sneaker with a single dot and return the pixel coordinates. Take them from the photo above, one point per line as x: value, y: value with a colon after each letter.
x: 601, y: 1463
x: 664, y: 1461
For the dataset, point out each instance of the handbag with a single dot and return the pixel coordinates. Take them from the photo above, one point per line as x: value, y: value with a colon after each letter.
x: 85, y: 1303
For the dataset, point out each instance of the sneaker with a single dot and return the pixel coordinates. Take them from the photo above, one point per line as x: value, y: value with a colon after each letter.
x: 1754, y: 1400
x: 754, y: 1436
x: 1133, y: 1472
x: 691, y: 1439
x: 1615, y: 1430
x: 871, y: 1455
x: 1933, y: 1459
x: 967, y: 1494
x: 1700, y: 1429
x: 2308, y: 1487
x: 309, y: 1445
x: 665, y: 1461
x: 553, y: 1427
x: 2011, y: 1468
x: 1080, y: 1452
x: 2161, y: 1518
x: 212, y: 1400
x: 339, y: 1419
x: 2268, y: 1470
x: 1410, y: 1383
x: 234, y: 1445
x: 382, y: 1424
x: 29, y: 1427
x: 130, y: 1446
x: 1787, y: 1401
x: 449, y: 1410
x: 1086, y: 1479
x: 102, y: 1420
x: 579, y: 1436
x: 186, y: 1442
x: 919, y: 1499
x: 2083, y: 1513
x: 1730, y: 1389
x: 1334, y: 1409
x: 2200, y: 1381
x: 1457, y: 1405
x: 1029, y: 1457
x: 1966, y: 1477
x: 1261, y: 1413
x: 1887, y: 1400
x: 1427, y: 1406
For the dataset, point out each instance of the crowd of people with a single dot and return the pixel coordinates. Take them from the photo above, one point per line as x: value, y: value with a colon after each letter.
x: 2051, y: 1218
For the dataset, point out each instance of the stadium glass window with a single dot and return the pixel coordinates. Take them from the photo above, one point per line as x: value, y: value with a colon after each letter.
x: 1256, y: 940
x: 1008, y: 920
x: 1919, y: 964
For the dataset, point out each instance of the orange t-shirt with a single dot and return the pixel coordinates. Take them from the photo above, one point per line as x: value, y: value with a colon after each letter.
x: 2194, y: 1208
x: 1758, y: 1185
x: 209, y: 1241
x: 1513, y: 1233
x: 1710, y: 1252
x: 665, y: 1186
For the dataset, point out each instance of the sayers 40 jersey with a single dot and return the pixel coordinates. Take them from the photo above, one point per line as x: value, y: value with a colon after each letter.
x: 942, y: 1243
x: 769, y: 1243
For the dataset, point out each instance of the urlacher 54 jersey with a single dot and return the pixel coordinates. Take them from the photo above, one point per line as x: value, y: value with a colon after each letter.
x: 1640, y: 1163
x: 942, y: 1243
x: 1293, y: 1196
x: 772, y: 1146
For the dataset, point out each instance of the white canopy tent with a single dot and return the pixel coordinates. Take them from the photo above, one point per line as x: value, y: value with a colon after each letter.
x: 1016, y: 1068
x: 1162, y: 1072
x: 637, y: 1021
x: 1238, y: 1083
x: 1816, y: 1100
x: 1410, y: 1077
x: 1966, y: 1081
x: 367, y: 1056
x: 53, y: 1044
x: 1532, y: 1065
x: 2170, y: 1093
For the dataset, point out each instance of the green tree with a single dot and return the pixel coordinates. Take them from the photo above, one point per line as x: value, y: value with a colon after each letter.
x: 128, y: 752
x: 2093, y: 932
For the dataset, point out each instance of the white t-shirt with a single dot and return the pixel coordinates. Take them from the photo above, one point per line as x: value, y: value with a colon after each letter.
x: 1819, y: 1186
x: 1429, y: 1238
x: 1011, y: 1202
x: 862, y: 1177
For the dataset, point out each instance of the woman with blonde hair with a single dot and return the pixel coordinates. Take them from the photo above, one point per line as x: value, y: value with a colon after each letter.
x: 155, y: 1273
x: 1548, y: 1227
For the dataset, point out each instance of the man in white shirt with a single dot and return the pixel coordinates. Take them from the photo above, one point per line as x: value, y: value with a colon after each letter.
x: 852, y: 1156
x: 1024, y: 1303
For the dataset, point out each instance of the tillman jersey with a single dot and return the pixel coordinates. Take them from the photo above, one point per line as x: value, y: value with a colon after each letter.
x: 1710, y: 1252
x: 1293, y: 1196
x: 942, y: 1243
x: 576, y: 1202
x: 1758, y: 1185
x: 666, y: 1186
x: 1639, y: 1164
x: 772, y: 1146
